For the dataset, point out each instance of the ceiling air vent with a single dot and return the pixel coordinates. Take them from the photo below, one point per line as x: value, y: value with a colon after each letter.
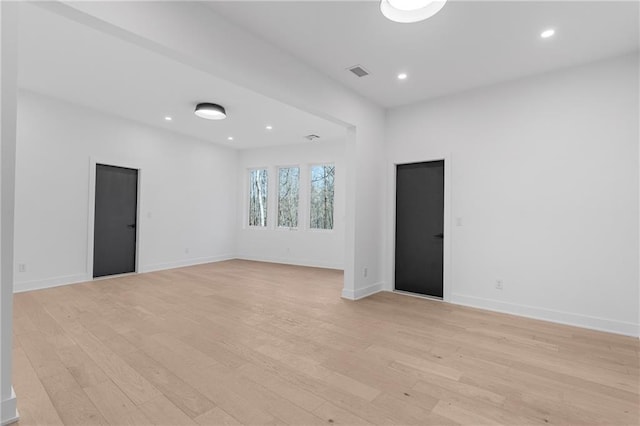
x: 358, y: 70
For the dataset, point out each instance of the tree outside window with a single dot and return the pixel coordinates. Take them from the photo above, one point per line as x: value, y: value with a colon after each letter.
x: 288, y: 196
x: 258, y: 197
x: 322, y: 196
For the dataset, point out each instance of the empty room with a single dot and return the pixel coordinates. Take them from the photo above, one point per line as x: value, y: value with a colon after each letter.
x: 385, y: 212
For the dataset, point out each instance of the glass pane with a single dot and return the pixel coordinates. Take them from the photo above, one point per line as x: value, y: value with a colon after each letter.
x: 258, y: 197
x: 288, y: 193
x: 322, y: 191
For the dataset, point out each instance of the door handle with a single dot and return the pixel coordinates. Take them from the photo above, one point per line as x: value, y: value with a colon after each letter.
x: 133, y: 225
x: 440, y: 235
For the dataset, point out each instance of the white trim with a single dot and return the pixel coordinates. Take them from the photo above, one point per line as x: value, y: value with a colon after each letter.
x: 447, y: 215
x: 560, y: 317
x: 186, y: 262
x: 361, y: 293
x: 304, y: 262
x: 85, y: 278
x: 93, y: 161
x: 9, y: 410
x: 19, y: 287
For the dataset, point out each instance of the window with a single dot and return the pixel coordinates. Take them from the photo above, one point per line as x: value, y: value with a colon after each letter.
x: 258, y: 197
x: 322, y: 191
x: 288, y: 194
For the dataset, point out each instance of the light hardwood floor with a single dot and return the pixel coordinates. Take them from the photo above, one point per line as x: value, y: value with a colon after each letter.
x: 256, y: 343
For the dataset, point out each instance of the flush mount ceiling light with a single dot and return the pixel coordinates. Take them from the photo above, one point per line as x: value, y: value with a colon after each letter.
x: 210, y: 111
x: 406, y: 11
x: 548, y: 33
x: 402, y: 76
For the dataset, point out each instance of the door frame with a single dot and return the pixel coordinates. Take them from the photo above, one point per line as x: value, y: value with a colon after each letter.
x: 447, y: 243
x: 93, y: 162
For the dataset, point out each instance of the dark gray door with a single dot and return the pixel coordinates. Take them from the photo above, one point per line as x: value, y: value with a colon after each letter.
x: 114, y: 240
x: 420, y: 227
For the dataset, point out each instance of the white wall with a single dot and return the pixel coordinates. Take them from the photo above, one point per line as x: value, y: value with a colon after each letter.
x: 188, y: 32
x: 187, y: 191
x: 320, y: 248
x: 8, y: 90
x: 544, y: 176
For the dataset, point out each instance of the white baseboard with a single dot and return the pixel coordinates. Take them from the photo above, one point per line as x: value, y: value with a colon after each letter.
x: 308, y: 263
x: 185, y: 262
x: 9, y: 410
x: 361, y: 293
x: 567, y: 318
x: 19, y: 287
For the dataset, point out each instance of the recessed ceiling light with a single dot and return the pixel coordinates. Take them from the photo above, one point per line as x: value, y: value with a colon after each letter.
x: 402, y: 76
x: 406, y: 11
x: 548, y: 33
x: 230, y: 138
x: 269, y: 127
x: 210, y: 111
x: 167, y: 118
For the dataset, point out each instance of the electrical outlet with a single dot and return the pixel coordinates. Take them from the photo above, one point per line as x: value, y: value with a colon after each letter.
x: 22, y: 267
x: 499, y: 285
x: 365, y: 272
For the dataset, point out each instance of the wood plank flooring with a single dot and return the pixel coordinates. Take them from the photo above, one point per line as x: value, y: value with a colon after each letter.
x: 253, y: 343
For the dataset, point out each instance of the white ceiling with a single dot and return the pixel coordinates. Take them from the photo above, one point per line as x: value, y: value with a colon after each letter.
x: 466, y: 45
x: 70, y: 61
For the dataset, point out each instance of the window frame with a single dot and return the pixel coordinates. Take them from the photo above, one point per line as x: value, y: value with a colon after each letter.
x: 277, y: 213
x: 247, y: 209
x: 309, y: 196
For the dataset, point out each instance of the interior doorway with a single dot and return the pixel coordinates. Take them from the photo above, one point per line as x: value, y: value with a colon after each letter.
x: 419, y: 239
x: 115, y: 220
